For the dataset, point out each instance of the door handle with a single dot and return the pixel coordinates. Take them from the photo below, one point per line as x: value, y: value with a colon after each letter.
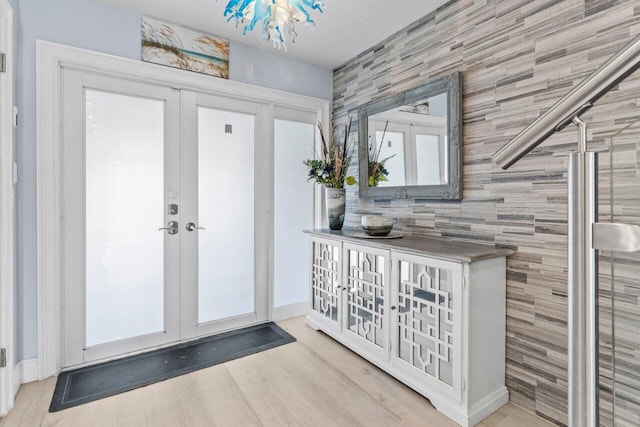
x: 191, y: 226
x: 172, y: 227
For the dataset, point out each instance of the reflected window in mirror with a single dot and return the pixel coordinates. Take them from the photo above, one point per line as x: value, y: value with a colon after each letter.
x: 413, y: 143
x: 391, y: 146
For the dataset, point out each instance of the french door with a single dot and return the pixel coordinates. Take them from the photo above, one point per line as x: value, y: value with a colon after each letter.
x: 224, y: 190
x: 163, y: 216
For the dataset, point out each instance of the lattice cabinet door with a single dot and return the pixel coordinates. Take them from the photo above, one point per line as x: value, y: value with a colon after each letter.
x: 326, y: 280
x: 426, y: 321
x: 367, y: 298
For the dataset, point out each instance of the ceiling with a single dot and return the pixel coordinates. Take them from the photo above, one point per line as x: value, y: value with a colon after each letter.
x: 344, y: 30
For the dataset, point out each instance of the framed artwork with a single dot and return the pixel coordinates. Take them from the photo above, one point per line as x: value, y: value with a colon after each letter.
x: 175, y: 46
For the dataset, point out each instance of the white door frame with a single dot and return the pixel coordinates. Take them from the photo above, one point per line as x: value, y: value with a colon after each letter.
x: 6, y: 207
x: 51, y: 59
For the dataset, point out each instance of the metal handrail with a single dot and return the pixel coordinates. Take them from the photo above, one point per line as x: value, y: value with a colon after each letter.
x: 576, y: 102
x: 584, y: 233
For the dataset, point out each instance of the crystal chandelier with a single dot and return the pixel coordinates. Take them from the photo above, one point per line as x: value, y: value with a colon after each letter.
x: 278, y: 17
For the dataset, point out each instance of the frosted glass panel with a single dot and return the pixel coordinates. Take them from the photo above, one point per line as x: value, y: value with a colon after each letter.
x: 293, y: 211
x: 226, y: 210
x: 393, y: 145
x: 428, y: 160
x: 124, y: 140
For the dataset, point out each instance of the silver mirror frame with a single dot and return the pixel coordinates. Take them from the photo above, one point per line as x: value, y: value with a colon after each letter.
x: 452, y: 85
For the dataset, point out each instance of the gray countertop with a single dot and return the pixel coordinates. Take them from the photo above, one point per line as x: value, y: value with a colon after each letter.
x: 436, y: 247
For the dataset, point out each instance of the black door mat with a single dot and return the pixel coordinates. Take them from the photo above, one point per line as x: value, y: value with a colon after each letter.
x: 110, y: 378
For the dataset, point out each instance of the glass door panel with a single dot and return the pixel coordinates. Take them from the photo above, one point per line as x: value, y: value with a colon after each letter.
x: 124, y: 143
x: 226, y: 213
x: 294, y: 204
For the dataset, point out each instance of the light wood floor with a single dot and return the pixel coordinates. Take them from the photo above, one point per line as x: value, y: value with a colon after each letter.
x: 312, y: 382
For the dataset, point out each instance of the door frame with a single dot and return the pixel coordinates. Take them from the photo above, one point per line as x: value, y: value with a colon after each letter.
x: 51, y: 58
x: 7, y: 388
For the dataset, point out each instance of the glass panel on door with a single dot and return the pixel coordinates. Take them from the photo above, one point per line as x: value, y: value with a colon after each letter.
x: 293, y: 204
x: 226, y: 213
x: 124, y: 202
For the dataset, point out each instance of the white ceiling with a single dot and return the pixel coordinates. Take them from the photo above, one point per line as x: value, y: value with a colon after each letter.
x: 344, y: 30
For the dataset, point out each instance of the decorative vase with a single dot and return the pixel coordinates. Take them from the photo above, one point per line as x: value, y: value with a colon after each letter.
x: 335, y: 202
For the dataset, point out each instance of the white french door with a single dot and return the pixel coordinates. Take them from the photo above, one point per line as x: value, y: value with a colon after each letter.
x: 121, y: 169
x: 162, y: 233
x: 225, y: 230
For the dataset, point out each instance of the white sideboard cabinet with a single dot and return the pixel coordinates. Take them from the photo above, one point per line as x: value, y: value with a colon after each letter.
x: 428, y: 311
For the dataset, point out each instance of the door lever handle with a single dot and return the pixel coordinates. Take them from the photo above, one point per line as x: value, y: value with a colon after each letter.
x: 191, y: 226
x: 172, y: 227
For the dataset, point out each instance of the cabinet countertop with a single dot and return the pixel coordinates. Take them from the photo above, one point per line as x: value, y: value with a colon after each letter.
x: 437, y: 247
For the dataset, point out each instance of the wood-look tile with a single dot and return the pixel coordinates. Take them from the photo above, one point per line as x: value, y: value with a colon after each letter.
x: 312, y: 382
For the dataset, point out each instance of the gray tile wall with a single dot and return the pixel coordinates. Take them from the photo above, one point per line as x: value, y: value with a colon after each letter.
x: 517, y: 57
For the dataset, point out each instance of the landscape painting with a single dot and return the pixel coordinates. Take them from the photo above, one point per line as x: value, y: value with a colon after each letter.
x: 179, y: 47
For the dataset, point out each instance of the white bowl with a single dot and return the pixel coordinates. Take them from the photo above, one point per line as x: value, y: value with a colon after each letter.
x: 377, y: 225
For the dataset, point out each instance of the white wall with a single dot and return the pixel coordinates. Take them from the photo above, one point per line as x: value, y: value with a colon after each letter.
x: 262, y: 67
x: 92, y: 25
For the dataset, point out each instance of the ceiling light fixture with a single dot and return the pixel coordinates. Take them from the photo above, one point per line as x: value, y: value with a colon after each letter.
x: 278, y: 17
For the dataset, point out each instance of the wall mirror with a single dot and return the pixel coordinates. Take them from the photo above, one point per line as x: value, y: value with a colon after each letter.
x: 410, y: 143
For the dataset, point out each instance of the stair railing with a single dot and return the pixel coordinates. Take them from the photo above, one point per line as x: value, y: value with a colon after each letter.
x: 585, y: 234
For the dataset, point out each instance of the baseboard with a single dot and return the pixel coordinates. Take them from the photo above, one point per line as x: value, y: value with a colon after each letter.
x: 17, y: 377
x: 291, y: 310
x: 25, y: 371
x: 29, y: 370
x: 489, y: 405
